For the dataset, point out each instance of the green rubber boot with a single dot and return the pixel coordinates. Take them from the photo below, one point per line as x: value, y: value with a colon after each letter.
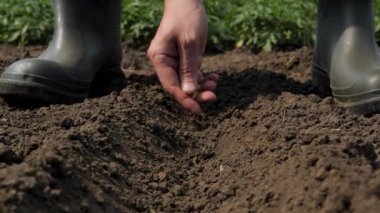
x: 346, y: 56
x: 84, y: 56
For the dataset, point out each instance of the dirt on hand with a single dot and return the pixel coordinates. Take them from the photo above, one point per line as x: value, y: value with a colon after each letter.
x: 271, y: 143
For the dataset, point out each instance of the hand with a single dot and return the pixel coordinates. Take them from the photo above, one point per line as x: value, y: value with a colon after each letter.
x: 176, y: 53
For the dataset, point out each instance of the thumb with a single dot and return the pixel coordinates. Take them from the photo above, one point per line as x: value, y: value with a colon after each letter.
x: 190, y: 65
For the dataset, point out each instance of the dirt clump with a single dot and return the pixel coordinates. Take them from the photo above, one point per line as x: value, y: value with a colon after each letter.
x: 271, y: 143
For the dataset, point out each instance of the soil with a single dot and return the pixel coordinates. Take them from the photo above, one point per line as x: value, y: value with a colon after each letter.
x: 271, y: 143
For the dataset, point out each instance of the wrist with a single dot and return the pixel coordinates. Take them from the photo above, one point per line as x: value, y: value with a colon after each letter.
x: 188, y: 1
x: 183, y: 4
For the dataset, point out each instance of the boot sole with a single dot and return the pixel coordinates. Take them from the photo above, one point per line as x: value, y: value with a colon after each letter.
x: 18, y: 90
x: 370, y: 103
x: 52, y: 92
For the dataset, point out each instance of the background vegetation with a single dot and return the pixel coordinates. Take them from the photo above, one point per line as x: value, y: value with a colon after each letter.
x: 256, y: 24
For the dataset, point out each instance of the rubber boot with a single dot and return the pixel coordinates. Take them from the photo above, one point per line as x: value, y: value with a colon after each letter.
x: 346, y: 56
x: 85, y: 53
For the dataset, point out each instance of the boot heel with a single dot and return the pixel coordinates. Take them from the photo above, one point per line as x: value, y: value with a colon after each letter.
x: 107, y: 81
x: 320, y: 79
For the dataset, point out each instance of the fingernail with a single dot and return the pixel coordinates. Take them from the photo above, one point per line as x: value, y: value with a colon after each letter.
x: 189, y: 88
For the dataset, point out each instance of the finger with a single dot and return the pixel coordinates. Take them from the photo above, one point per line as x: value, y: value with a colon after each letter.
x: 210, y: 77
x: 190, y: 58
x: 169, y: 80
x: 166, y: 67
x: 208, y: 86
x: 185, y: 100
x: 206, y: 97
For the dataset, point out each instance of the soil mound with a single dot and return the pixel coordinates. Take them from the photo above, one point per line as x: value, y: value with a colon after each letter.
x: 271, y: 143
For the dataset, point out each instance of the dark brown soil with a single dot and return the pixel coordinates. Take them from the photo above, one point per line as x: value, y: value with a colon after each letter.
x: 272, y: 143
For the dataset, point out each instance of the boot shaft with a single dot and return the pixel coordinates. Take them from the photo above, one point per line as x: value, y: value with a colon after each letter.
x: 346, y: 26
x: 334, y: 17
x: 100, y: 17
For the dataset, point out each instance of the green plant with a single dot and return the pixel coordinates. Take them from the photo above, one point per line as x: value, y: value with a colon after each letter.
x: 265, y: 24
x: 255, y: 24
x: 140, y: 19
x: 25, y: 22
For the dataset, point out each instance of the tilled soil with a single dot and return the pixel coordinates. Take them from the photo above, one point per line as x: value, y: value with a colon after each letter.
x: 271, y: 143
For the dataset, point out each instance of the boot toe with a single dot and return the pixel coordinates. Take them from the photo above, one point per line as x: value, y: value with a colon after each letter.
x: 356, y: 88
x: 361, y: 94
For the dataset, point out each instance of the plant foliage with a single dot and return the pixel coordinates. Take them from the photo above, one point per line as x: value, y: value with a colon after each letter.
x: 256, y: 24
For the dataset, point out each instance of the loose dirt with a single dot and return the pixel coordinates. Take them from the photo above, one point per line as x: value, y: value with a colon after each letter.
x: 271, y: 143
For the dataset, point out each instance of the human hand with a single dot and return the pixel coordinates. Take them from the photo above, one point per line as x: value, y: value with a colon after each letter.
x: 176, y: 53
